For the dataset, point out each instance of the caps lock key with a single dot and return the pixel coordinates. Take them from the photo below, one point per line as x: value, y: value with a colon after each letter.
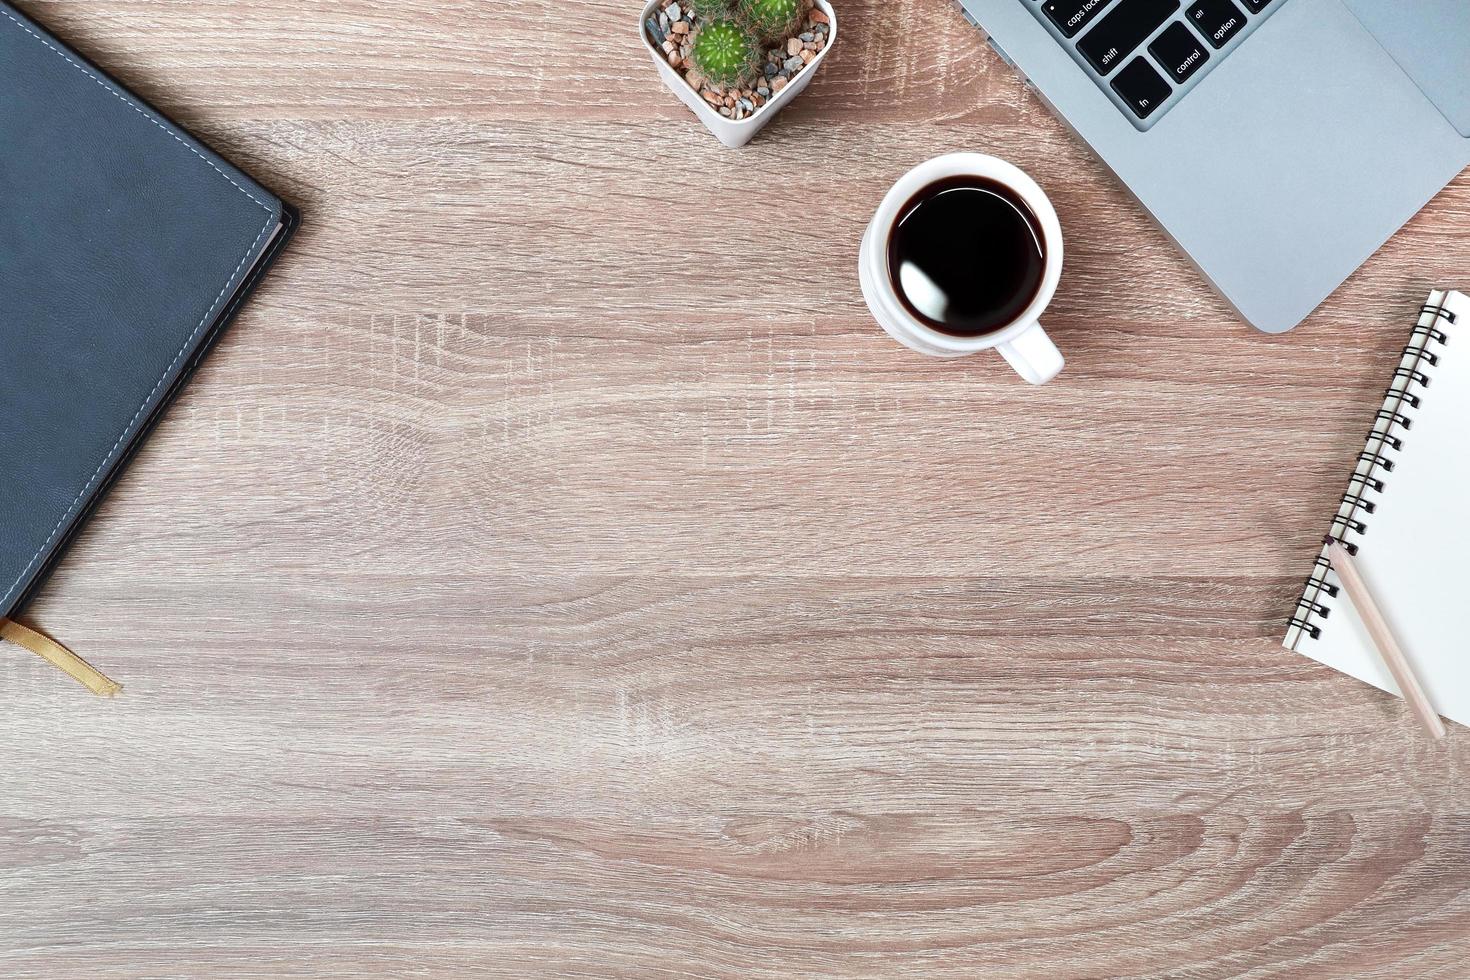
x: 1071, y: 16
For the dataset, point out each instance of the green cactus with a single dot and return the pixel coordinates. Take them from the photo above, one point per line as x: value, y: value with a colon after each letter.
x: 708, y: 9
x: 771, y: 20
x: 724, y: 53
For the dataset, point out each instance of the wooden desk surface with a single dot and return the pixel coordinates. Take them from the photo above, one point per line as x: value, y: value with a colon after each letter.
x: 555, y: 572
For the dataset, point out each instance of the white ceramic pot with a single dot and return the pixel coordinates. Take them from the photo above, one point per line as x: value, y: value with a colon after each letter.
x: 733, y: 132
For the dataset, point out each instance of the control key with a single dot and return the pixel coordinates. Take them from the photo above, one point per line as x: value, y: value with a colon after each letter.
x: 1179, y: 51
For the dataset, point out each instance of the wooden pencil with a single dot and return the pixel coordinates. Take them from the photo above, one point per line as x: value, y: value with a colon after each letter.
x: 1388, y: 648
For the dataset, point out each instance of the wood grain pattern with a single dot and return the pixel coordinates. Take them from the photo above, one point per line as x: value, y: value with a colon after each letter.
x: 555, y: 573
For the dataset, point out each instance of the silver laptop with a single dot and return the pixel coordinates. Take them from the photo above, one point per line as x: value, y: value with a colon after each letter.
x: 1278, y: 142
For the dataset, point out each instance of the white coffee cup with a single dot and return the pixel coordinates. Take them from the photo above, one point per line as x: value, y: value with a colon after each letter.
x: 1022, y: 342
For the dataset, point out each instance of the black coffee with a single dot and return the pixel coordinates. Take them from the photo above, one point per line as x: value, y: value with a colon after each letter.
x: 966, y: 256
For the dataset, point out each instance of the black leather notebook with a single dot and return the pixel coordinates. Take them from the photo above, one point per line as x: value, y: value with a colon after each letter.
x: 125, y: 246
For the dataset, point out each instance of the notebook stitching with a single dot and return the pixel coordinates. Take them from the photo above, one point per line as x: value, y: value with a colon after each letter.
x: 208, y: 315
x: 135, y: 107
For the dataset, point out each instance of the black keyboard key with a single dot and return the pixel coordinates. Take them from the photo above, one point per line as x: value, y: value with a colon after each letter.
x: 1179, y: 51
x: 1071, y: 16
x: 1143, y: 88
x: 1256, y: 6
x: 1217, y: 20
x: 1117, y: 34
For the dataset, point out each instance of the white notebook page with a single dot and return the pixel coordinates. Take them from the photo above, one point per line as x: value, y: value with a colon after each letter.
x: 1413, y: 552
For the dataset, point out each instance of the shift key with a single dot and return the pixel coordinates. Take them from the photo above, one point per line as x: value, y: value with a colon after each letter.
x: 1116, y: 35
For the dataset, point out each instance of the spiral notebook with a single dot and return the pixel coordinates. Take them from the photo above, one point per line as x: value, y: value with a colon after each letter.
x: 1405, y: 516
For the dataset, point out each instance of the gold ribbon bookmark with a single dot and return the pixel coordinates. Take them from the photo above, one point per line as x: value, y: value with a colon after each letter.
x: 59, y: 657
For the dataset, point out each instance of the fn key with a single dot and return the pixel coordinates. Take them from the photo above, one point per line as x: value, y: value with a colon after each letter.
x: 1141, y: 87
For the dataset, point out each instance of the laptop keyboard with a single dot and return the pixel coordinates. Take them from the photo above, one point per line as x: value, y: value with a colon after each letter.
x: 1146, y: 54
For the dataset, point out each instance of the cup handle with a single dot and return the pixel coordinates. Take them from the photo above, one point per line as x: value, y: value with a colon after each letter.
x: 1033, y: 355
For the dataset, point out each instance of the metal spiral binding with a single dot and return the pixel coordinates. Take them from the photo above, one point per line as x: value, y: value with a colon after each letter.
x: 1375, y: 463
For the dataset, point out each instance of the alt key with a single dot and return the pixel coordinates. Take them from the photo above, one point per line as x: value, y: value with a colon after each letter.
x: 1217, y: 20
x: 1141, y: 87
